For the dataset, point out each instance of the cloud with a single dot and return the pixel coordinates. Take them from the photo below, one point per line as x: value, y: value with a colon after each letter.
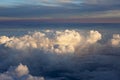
x: 19, y: 73
x: 57, y: 9
x: 94, y: 37
x: 54, y: 1
x: 51, y: 41
x: 36, y: 50
x: 3, y: 39
x: 104, y: 14
x: 61, y: 9
x: 102, y: 2
x: 62, y: 42
x: 116, y: 40
x: 21, y: 70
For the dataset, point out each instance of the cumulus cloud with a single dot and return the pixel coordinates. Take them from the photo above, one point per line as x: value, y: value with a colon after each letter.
x: 94, y: 37
x: 4, y: 39
x: 21, y: 70
x: 67, y: 40
x: 18, y: 73
x: 116, y: 40
x: 51, y: 41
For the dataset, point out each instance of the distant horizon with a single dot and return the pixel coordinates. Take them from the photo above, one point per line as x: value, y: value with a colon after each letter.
x: 74, y: 20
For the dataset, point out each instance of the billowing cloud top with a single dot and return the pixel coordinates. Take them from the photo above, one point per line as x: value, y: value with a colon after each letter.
x: 51, y: 41
x: 116, y: 40
x: 21, y: 72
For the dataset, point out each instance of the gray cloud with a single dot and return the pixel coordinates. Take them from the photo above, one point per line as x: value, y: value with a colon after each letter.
x: 102, y: 2
x: 63, y: 10
x: 55, y: 12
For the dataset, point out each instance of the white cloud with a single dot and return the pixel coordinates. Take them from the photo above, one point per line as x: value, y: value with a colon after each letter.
x: 19, y: 73
x: 94, y: 37
x: 4, y: 39
x: 116, y: 40
x: 67, y: 41
x: 21, y: 70
x: 51, y: 41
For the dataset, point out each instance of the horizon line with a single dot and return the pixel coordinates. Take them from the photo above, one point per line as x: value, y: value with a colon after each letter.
x: 61, y: 20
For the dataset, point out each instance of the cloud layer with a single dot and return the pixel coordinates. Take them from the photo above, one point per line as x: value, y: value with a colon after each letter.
x: 60, y: 55
x: 56, y: 9
x: 51, y: 41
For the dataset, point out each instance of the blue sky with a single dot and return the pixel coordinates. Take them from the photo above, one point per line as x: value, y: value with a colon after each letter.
x: 55, y: 9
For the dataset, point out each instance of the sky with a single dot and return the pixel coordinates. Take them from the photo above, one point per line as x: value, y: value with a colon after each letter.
x: 60, y: 9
